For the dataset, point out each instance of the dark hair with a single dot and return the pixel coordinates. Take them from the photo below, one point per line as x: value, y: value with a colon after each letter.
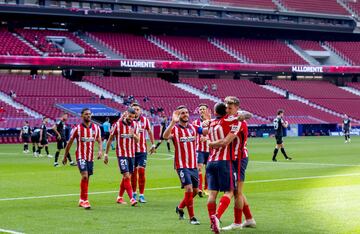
x: 26, y: 121
x: 131, y: 110
x: 107, y: 119
x: 83, y: 110
x: 220, y: 109
x: 135, y: 104
x: 45, y: 117
x: 203, y: 104
x: 65, y: 114
x: 280, y: 111
x: 181, y: 107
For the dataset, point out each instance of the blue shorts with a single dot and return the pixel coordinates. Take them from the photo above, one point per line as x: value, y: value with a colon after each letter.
x: 140, y: 159
x: 126, y: 164
x: 189, y: 176
x: 221, y: 176
x: 84, y: 165
x: 202, y: 157
x: 243, y: 165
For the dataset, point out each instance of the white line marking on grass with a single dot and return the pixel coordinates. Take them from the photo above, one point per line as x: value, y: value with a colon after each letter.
x: 305, y: 163
x: 10, y: 231
x: 177, y: 187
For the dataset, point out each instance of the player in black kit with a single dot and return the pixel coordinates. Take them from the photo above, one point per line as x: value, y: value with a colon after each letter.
x: 43, y: 138
x: 25, y: 134
x: 346, y: 126
x: 60, y: 130
x: 163, y: 128
x: 279, y: 125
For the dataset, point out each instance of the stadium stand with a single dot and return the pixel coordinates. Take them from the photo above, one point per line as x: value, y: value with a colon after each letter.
x: 263, y: 51
x: 324, y: 94
x: 42, y: 95
x: 349, y: 50
x: 11, y: 45
x: 315, y: 6
x: 131, y: 46
x: 262, y: 102
x: 197, y: 49
x: 262, y: 4
x: 38, y: 38
x: 309, y: 45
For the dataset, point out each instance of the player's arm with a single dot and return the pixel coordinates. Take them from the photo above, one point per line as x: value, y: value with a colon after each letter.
x: 99, y: 141
x: 68, y: 147
x: 223, y: 142
x: 41, y: 133
x: 152, y: 140
x: 167, y: 134
x: 244, y: 115
x: 108, y: 143
x: 285, y: 124
x: 56, y: 131
x: 21, y: 132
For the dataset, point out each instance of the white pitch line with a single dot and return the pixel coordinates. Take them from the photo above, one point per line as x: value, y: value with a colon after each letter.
x: 305, y: 163
x: 10, y: 231
x: 175, y: 187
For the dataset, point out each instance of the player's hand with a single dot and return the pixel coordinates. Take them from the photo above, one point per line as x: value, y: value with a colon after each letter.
x: 106, y: 159
x: 99, y: 155
x: 203, y: 139
x: 152, y: 150
x: 176, y: 116
x: 58, y: 137
x: 64, y: 161
x: 131, y: 131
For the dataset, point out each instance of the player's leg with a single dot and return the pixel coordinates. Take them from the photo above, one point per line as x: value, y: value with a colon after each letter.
x: 47, y: 150
x: 126, y: 168
x: 348, y: 136
x: 282, y: 148
x: 158, y: 144
x: 142, y: 176
x: 59, y: 146
x: 168, y: 146
x: 200, y: 161
x: 134, y: 177
x: 84, y: 183
x: 72, y: 163
x: 277, y: 147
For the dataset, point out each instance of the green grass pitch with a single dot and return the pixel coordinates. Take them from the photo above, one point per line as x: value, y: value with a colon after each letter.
x: 317, y: 192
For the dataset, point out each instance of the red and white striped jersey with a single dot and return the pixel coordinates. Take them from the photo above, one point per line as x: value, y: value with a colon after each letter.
x: 143, y: 125
x: 184, y: 139
x: 125, y: 141
x: 218, y: 130
x: 201, y: 146
x: 85, y: 139
x: 240, y: 141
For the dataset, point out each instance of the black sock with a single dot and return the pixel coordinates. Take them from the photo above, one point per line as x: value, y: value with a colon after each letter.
x: 47, y: 150
x: 275, y: 152
x: 157, y: 145
x: 24, y: 147
x: 57, y: 156
x: 69, y: 157
x: 39, y: 150
x: 168, y: 145
x: 283, y: 152
x: 33, y: 148
x: 346, y: 137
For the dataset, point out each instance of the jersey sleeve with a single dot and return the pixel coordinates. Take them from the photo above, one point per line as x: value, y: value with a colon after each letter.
x: 235, y: 127
x: 114, y: 129
x: 148, y: 125
x: 99, y: 131
x: 74, y: 132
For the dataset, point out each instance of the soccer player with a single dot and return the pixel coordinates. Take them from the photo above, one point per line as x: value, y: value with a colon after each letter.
x: 163, y: 128
x: 143, y: 126
x: 85, y: 134
x: 126, y: 132
x: 240, y: 164
x: 346, y: 126
x: 43, y: 138
x: 219, y: 171
x: 59, y: 129
x: 202, y: 148
x: 35, y: 140
x: 183, y: 135
x: 25, y: 136
x: 106, y: 126
x: 279, y: 125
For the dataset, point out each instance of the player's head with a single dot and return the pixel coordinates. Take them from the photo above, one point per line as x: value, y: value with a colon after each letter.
x: 64, y: 117
x: 232, y: 105
x: 184, y: 114
x: 280, y: 112
x: 107, y: 119
x: 202, y: 109
x: 131, y: 115
x: 26, y: 122
x: 137, y: 108
x: 345, y: 116
x: 45, y: 120
x: 220, y: 109
x: 86, y: 115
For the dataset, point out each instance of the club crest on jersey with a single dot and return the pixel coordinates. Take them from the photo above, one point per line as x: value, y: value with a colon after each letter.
x: 87, y: 139
x: 187, y: 139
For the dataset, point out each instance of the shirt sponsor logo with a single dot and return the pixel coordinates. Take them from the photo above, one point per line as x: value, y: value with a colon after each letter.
x: 87, y: 139
x: 126, y: 136
x: 187, y: 139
